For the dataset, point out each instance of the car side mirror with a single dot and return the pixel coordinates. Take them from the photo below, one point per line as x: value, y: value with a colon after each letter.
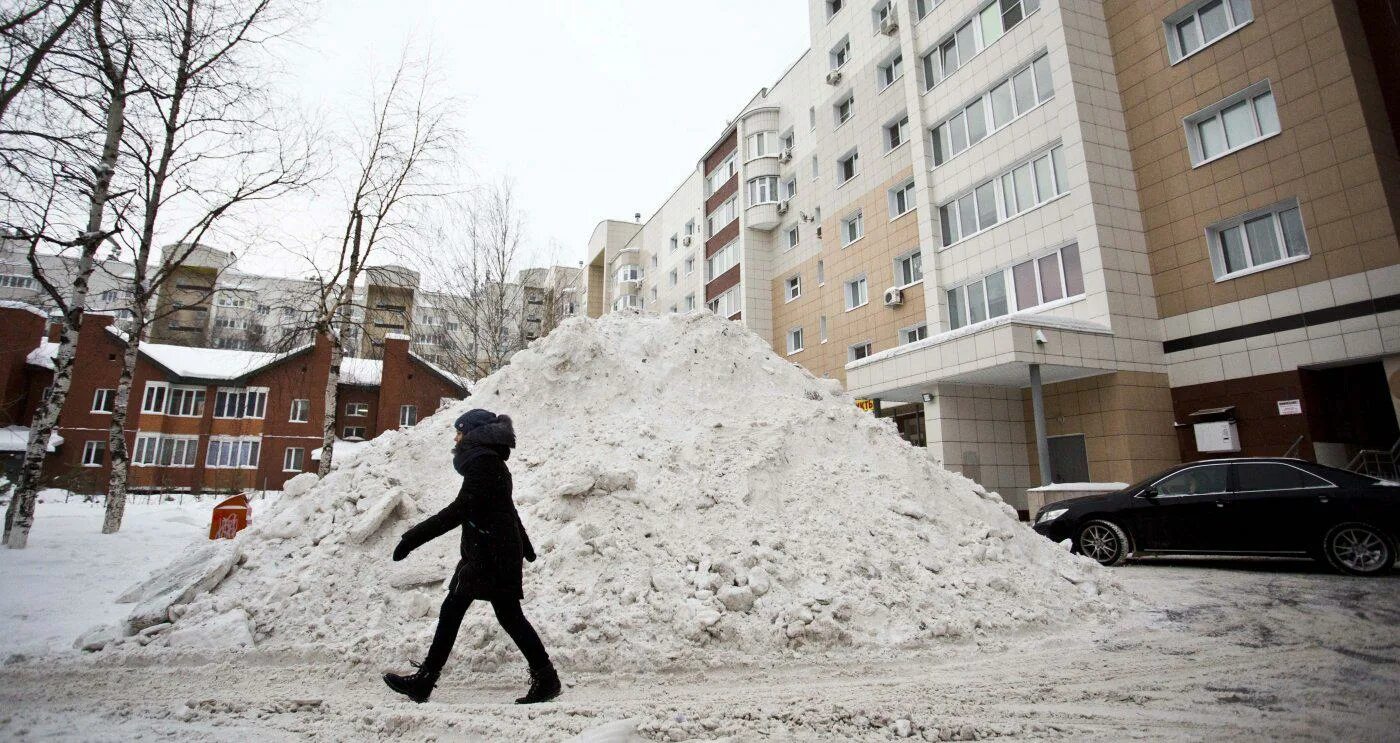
x: 1150, y: 492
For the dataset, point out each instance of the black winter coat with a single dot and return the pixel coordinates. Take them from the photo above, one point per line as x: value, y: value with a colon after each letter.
x: 493, y: 540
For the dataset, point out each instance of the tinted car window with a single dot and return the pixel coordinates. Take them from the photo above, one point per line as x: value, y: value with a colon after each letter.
x: 1194, y: 481
x: 1255, y: 476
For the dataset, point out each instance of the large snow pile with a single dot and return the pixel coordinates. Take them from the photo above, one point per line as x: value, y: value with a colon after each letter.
x: 694, y: 499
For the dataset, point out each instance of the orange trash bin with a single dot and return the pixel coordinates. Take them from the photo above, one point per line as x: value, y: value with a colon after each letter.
x: 230, y: 517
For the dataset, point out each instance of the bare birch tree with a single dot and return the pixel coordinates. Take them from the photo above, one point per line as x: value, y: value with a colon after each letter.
x: 204, y: 142
x: 92, y: 86
x: 400, y: 155
x: 28, y: 33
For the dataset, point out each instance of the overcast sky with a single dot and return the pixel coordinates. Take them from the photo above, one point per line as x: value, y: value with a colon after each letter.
x: 594, y: 108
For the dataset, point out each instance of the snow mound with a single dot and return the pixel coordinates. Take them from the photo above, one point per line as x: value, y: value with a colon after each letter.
x: 694, y: 499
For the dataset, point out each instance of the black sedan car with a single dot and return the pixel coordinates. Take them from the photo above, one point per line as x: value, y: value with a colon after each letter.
x: 1283, y: 507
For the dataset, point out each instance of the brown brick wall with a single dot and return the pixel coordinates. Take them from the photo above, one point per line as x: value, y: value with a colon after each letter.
x: 727, y: 145
x: 722, y: 283
x: 19, y: 334
x: 727, y: 189
x: 1324, y: 155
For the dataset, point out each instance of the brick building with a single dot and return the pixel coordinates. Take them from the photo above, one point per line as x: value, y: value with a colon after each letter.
x: 207, y: 419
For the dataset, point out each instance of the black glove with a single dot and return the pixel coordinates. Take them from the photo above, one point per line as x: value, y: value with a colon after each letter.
x: 529, y: 552
x: 402, y: 550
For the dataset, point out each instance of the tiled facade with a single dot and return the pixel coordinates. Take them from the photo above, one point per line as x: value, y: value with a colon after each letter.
x: 1077, y: 226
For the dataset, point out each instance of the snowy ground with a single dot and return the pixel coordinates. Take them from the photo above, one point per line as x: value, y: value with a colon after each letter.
x: 1218, y: 649
x: 64, y: 583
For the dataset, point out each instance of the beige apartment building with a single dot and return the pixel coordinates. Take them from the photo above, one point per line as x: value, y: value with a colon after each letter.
x: 1063, y: 241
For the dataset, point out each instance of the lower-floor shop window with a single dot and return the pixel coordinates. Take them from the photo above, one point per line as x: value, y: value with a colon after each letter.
x: 293, y: 459
x: 93, y: 452
x: 231, y: 453
x: 354, y: 432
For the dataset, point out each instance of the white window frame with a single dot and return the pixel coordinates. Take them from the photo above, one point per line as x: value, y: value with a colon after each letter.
x: 1215, y: 112
x: 1013, y: 300
x: 822, y: 328
x: 792, y: 236
x: 1274, y: 212
x: 890, y: 71
x: 763, y: 190
x: 1238, y: 14
x: 246, y: 402
x: 906, y: 192
x: 844, y: 110
x: 896, y: 132
x: 148, y: 449
x: 689, y: 302
x: 674, y: 278
x: 629, y: 273
x: 17, y: 281
x: 304, y: 405
x: 794, y: 340
x: 294, y: 459
x: 94, y: 451
x: 969, y: 29
x: 732, y: 300
x: 840, y: 54
x: 689, y: 265
x: 852, y: 225
x: 792, y: 288
x: 722, y: 260
x: 789, y: 188
x: 913, y: 333
x: 348, y: 432
x: 763, y: 144
x: 951, y: 210
x: 408, y: 416
x: 849, y: 296
x: 915, y: 259
x: 233, y: 453
x: 186, y: 394
x: 942, y: 135
x: 853, y: 158
x: 869, y: 347
x: 99, y: 400
x: 356, y: 409
x: 154, y: 398
x: 722, y: 173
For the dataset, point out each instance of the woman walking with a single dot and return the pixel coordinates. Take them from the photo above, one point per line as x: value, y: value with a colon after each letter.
x: 493, y: 544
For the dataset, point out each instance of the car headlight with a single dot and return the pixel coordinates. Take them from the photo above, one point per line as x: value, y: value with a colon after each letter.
x: 1048, y: 516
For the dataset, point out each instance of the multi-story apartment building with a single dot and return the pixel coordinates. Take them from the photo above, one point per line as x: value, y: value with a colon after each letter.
x: 1016, y: 226
x: 207, y: 419
x: 208, y: 302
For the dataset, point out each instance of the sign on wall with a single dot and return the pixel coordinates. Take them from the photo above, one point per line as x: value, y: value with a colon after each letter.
x: 1290, y: 407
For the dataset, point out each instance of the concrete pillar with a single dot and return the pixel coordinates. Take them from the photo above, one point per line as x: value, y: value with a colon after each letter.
x: 1042, y: 443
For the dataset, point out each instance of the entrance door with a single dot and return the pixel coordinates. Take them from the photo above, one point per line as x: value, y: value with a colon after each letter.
x: 1349, y: 408
x: 1068, y: 460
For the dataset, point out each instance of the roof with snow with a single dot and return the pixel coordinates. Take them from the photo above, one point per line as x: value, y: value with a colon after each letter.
x: 43, y: 355
x: 16, y: 438
x: 10, y: 304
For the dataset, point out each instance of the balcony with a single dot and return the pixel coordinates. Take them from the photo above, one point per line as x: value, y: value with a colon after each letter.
x: 765, y: 216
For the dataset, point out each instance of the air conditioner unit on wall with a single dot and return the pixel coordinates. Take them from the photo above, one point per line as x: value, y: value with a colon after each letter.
x: 786, y: 156
x: 889, y: 26
x: 894, y: 297
x: 833, y: 77
x: 783, y: 207
x: 685, y: 240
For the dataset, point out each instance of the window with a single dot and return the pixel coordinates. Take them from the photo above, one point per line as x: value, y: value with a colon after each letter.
x: 726, y: 213
x: 902, y: 200
x: 15, y: 281
x: 763, y: 144
x: 1204, y: 480
x: 1203, y: 23
x: 93, y: 451
x: 1024, y: 286
x: 689, y: 302
x: 1256, y: 476
x: 227, y: 299
x: 848, y: 167
x: 155, y: 450
x: 689, y: 265
x: 841, y: 53
x: 821, y: 325
x: 301, y: 411
x: 104, y: 400
x: 187, y: 402
x: 240, y: 403
x: 833, y: 7
x: 1234, y: 123
x: 852, y: 228
x: 626, y: 301
x: 721, y: 175
x: 1003, y: 103
x: 860, y: 351
x: 909, y: 269
x: 353, y: 432
x: 788, y: 141
x: 890, y: 71
x: 153, y: 401
x: 408, y: 415
x: 973, y: 35
x: 763, y: 190
x: 856, y: 294
x: 821, y: 272
x: 916, y: 333
x: 896, y: 132
x: 629, y: 272
x: 794, y: 341
x: 792, y: 237
x: 724, y: 259
x: 1039, y: 180
x: 924, y: 7
x: 815, y: 169
x: 356, y: 409
x: 844, y: 109
x: 812, y: 117
x: 230, y: 453
x: 793, y: 287
x: 293, y: 459
x: 675, y: 277
x: 1257, y: 240
x: 790, y: 188
x: 655, y: 261
x: 728, y: 303
x: 690, y: 228
x: 675, y: 243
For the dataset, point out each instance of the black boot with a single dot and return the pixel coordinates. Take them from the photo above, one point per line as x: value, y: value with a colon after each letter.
x: 544, y: 686
x: 418, y: 686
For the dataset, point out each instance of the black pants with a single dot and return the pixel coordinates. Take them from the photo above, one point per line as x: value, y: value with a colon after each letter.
x: 508, y: 613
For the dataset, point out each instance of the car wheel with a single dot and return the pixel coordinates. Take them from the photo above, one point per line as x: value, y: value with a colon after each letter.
x: 1358, y: 549
x: 1103, y: 541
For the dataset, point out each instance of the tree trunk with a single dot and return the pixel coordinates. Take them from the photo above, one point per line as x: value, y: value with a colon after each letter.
x: 328, y: 420
x: 20, y: 515
x: 117, y: 452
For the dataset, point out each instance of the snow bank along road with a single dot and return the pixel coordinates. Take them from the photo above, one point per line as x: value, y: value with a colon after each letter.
x: 1219, y: 650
